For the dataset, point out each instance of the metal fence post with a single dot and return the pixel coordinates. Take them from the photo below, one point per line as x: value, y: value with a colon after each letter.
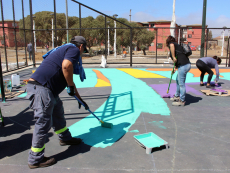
x: 32, y: 36
x: 15, y: 37
x: 206, y: 43
x: 23, y: 20
x: 4, y: 37
x: 203, y: 29
x: 55, y: 24
x: 131, y: 47
x: 105, y: 38
x: 156, y: 44
x: 80, y: 17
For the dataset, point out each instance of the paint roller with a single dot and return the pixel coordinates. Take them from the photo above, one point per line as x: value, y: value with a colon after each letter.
x: 103, y: 124
x: 168, y: 95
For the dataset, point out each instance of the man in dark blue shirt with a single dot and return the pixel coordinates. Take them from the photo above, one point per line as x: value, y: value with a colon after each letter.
x: 43, y: 89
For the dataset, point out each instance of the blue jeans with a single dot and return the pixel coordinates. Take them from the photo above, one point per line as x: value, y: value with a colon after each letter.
x: 180, y: 81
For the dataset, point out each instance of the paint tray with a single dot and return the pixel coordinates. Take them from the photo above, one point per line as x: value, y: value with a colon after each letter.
x: 150, y: 141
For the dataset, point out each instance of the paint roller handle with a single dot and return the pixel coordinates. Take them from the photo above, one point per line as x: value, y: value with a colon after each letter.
x: 81, y: 102
x: 87, y: 108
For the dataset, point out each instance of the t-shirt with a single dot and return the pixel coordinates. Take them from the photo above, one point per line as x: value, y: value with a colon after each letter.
x: 212, y: 63
x: 182, y: 59
x: 50, y: 73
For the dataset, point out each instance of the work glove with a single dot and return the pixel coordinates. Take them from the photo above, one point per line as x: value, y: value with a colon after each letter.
x: 86, y: 106
x: 70, y: 90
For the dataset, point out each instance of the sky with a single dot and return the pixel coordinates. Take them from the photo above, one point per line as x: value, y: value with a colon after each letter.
x: 187, y: 12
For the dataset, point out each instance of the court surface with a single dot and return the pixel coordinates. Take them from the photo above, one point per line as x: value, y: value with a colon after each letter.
x: 131, y: 99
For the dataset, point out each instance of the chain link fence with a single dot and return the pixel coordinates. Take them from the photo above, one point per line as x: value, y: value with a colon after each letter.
x: 116, y: 39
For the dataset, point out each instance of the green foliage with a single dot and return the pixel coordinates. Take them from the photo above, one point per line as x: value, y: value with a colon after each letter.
x: 93, y: 29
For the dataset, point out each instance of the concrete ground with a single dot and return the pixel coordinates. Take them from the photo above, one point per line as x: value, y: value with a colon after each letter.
x: 197, y: 134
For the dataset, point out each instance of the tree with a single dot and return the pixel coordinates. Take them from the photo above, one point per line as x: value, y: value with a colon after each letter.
x: 210, y: 35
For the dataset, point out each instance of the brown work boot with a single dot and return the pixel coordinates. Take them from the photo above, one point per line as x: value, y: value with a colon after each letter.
x: 175, y: 98
x: 46, y: 161
x: 73, y: 141
x: 178, y: 103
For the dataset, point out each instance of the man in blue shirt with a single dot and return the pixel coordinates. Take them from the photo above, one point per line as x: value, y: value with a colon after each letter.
x: 43, y: 89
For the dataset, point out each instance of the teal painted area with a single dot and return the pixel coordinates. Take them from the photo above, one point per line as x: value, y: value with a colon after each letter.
x: 134, y: 131
x: 158, y: 124
x: 23, y: 95
x: 129, y: 98
x: 226, y: 76
x: 150, y: 140
x: 90, y: 81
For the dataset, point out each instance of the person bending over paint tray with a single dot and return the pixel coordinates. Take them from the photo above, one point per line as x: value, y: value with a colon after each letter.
x: 204, y: 65
x: 183, y: 65
x: 53, y: 75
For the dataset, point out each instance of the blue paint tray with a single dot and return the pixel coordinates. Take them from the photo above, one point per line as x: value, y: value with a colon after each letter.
x: 150, y: 141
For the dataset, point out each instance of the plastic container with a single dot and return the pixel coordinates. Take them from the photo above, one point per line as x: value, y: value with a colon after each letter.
x: 7, y: 85
x: 150, y: 141
x: 15, y: 78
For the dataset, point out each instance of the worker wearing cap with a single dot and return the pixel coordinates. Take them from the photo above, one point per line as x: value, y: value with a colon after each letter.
x: 53, y: 75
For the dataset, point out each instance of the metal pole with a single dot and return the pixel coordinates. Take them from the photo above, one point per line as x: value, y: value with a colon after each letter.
x: 228, y: 54
x: 31, y: 29
x: 105, y: 39
x: 156, y: 44
x: 222, y: 50
x: 35, y: 47
x: 52, y: 33
x: 67, y: 25
x: 80, y: 17
x: 55, y: 23
x: 206, y: 43
x: 1, y: 79
x: 115, y: 40
x: 4, y: 37
x: 131, y: 47
x: 15, y: 37
x: 179, y: 37
x: 108, y: 40
x: 24, y: 31
x: 203, y: 28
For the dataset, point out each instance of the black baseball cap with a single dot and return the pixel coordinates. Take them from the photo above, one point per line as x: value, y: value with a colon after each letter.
x: 80, y: 40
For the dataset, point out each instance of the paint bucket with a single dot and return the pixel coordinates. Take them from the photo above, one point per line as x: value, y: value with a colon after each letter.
x: 15, y: 78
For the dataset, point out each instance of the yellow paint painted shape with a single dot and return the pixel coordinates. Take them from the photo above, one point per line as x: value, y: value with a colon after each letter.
x: 140, y: 73
x: 102, y: 83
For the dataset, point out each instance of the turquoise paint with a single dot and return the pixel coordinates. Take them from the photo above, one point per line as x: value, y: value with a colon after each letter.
x: 134, y: 131
x: 150, y: 140
x: 158, y: 124
x: 90, y: 81
x: 129, y: 98
x: 23, y: 95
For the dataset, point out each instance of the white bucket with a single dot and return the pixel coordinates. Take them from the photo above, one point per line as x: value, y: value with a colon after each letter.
x: 15, y: 78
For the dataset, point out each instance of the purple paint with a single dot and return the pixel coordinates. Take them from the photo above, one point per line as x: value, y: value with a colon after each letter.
x: 218, y: 90
x: 166, y: 96
x: 161, y: 89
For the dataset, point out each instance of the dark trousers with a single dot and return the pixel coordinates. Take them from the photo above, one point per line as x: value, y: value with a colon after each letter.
x: 204, y: 68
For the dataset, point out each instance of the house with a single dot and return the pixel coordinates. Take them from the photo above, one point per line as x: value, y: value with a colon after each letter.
x: 9, y: 32
x: 191, y: 34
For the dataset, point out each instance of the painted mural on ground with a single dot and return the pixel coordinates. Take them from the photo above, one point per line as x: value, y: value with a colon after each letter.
x: 129, y: 98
